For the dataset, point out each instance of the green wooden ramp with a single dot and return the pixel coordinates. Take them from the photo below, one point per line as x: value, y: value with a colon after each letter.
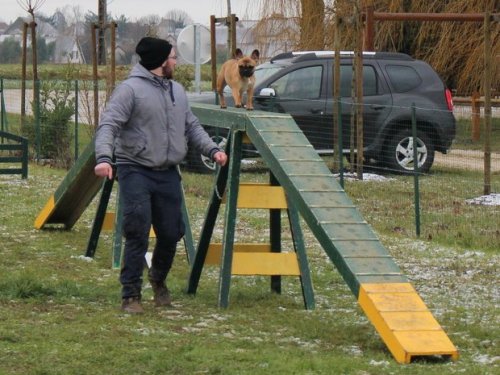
x: 74, y: 194
x: 384, y: 293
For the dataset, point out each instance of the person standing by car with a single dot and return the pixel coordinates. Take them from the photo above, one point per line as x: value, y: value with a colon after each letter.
x: 146, y: 126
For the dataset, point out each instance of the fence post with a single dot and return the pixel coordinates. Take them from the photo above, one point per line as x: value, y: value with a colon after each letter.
x: 76, y: 119
x: 38, y: 135
x: 476, y: 116
x: 2, y: 106
x: 415, y: 169
x: 338, y: 105
x: 24, y: 168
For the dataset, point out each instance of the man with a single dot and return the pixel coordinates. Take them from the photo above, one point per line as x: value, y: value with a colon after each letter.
x: 146, y: 126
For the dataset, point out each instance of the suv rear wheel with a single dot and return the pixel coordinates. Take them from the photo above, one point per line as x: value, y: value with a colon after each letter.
x: 399, y: 153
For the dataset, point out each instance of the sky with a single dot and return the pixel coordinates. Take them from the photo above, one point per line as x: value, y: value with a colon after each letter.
x: 199, y: 10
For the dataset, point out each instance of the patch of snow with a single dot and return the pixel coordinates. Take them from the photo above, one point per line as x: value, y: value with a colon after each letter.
x: 486, y: 359
x: 379, y: 363
x: 82, y: 257
x: 486, y: 200
x: 366, y: 177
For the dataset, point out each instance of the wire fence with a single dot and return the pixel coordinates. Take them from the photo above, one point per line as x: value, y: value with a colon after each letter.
x: 446, y: 200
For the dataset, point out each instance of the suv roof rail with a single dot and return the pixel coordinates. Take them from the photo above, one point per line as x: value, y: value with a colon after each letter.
x: 311, y: 55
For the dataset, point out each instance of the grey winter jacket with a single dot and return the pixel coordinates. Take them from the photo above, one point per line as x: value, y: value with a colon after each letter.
x: 148, y: 122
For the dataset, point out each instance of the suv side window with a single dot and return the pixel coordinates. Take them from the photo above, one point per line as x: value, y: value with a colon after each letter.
x: 369, y: 80
x: 304, y: 83
x: 403, y: 78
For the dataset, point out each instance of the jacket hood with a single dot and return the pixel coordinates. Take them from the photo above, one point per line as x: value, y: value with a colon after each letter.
x: 138, y: 71
x: 141, y: 72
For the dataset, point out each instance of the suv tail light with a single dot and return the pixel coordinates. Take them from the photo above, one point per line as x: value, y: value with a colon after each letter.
x: 449, y: 99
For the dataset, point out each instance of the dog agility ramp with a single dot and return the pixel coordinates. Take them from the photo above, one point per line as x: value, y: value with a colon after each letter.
x: 74, y: 194
x: 384, y: 293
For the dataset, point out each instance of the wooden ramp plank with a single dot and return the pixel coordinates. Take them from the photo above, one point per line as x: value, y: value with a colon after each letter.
x: 74, y: 194
x: 404, y: 322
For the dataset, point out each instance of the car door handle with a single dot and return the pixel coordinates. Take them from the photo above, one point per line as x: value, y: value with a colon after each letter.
x: 377, y: 107
x: 317, y: 110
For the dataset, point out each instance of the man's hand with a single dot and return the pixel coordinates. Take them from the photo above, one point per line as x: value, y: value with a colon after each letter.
x: 220, y: 158
x: 104, y: 170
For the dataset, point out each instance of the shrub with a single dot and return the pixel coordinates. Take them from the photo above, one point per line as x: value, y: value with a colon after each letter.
x: 56, y: 106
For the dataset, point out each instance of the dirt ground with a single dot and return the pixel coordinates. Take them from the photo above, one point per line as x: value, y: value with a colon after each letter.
x: 467, y: 159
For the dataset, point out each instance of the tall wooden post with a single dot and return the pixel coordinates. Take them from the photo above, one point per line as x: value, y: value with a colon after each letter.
x: 337, y: 147
x: 369, y: 44
x: 476, y: 115
x: 358, y: 62
x: 232, y: 30
x: 487, y: 103
x: 102, y: 15
x: 23, y: 75
x: 34, y: 56
x: 93, y: 28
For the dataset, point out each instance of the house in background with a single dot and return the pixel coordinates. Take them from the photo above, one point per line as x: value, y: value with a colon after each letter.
x: 68, y: 50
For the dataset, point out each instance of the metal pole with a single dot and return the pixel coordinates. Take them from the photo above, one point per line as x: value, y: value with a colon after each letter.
x: 338, y: 104
x: 197, y: 62
x: 113, y: 56
x: 471, y: 17
x: 415, y: 169
x: 213, y: 54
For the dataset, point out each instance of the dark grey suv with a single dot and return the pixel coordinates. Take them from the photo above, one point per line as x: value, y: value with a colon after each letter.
x: 300, y: 83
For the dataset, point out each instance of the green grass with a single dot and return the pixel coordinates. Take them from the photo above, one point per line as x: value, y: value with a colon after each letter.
x: 445, y: 216
x: 59, y: 311
x: 463, y: 139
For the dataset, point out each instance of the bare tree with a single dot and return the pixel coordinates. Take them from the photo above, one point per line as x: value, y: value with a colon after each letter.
x: 152, y: 22
x: 179, y: 18
x: 430, y: 41
x: 30, y: 7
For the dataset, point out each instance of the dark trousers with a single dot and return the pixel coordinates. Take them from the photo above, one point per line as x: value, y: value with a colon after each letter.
x: 148, y: 198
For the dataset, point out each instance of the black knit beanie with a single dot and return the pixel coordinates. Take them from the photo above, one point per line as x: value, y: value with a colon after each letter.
x: 153, y: 52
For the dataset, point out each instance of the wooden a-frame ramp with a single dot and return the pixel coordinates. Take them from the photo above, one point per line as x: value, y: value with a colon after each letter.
x: 389, y: 301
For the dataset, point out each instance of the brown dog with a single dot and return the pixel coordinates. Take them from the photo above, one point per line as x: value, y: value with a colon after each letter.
x: 238, y: 74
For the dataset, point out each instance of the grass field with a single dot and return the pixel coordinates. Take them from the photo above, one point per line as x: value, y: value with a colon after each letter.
x: 59, y: 310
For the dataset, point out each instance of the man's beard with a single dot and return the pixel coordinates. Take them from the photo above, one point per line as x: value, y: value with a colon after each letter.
x: 167, y: 72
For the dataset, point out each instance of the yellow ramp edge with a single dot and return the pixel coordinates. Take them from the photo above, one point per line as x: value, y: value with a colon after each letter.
x: 44, y: 215
x: 109, y: 224
x: 404, y: 322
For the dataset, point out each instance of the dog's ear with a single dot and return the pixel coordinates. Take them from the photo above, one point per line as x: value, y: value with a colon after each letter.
x: 238, y: 54
x: 255, y: 55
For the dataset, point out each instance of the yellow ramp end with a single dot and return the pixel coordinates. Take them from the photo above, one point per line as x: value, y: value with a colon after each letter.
x: 44, y: 215
x: 404, y: 322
